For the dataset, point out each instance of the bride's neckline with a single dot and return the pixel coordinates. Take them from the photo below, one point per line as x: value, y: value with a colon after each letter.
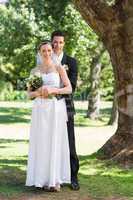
x: 49, y: 73
x: 42, y: 71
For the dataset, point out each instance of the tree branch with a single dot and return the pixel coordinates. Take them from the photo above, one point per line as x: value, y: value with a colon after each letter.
x: 96, y: 12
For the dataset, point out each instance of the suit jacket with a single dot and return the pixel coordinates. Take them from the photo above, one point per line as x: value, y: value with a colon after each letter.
x: 72, y: 75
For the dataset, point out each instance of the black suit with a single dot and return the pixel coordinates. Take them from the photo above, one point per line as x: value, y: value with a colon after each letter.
x: 72, y: 74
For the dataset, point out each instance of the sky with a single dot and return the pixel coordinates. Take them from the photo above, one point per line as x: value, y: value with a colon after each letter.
x: 3, y: 1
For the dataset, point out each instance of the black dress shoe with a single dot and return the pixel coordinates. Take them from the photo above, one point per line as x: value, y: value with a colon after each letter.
x: 75, y: 186
x: 39, y: 188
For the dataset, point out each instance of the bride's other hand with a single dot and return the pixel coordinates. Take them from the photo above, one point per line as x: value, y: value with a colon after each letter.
x: 52, y: 91
x: 43, y: 91
x: 33, y: 94
x: 39, y: 90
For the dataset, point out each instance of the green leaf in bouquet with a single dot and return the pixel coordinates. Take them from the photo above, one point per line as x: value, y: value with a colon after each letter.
x: 34, y: 82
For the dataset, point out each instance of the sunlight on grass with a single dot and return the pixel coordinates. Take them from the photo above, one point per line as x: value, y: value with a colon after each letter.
x: 13, y: 159
x: 20, y: 113
x: 98, y: 179
x: 101, y: 178
x: 82, y: 120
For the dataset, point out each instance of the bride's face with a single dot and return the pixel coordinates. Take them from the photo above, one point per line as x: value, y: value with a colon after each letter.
x: 46, y: 51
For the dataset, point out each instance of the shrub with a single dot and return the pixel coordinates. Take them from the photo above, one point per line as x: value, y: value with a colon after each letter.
x: 7, y: 93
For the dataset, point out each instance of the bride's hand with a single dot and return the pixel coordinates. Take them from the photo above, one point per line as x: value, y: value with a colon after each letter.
x: 33, y: 94
x: 39, y: 90
x: 52, y: 91
x: 43, y: 91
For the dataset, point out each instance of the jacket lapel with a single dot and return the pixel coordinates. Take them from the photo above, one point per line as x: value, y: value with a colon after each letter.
x: 64, y: 59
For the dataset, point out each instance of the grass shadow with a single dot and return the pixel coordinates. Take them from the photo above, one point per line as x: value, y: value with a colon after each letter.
x: 105, y: 179
x: 82, y: 121
x: 98, y: 178
x: 14, y: 115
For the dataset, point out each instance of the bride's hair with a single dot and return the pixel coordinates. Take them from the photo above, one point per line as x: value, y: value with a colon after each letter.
x: 43, y: 43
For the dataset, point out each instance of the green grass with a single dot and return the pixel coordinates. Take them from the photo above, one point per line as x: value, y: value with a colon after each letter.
x: 82, y: 120
x: 13, y: 158
x: 20, y: 112
x: 98, y: 179
x: 10, y: 115
x: 104, y: 179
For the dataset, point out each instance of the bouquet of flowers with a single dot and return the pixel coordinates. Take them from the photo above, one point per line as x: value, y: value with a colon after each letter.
x: 34, y: 82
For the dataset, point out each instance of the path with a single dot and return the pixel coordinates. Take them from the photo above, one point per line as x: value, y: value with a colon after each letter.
x: 88, y: 140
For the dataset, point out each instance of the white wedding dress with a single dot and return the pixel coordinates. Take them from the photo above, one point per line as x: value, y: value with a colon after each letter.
x: 49, y: 158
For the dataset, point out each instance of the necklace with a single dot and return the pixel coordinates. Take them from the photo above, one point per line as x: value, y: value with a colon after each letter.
x: 46, y: 68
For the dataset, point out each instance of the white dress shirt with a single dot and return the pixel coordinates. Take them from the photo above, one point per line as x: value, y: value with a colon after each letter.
x: 57, y: 59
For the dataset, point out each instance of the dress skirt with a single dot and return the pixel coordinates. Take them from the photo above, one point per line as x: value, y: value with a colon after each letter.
x: 49, y: 157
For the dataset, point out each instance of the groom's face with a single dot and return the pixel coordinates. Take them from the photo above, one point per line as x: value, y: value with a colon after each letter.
x: 58, y: 44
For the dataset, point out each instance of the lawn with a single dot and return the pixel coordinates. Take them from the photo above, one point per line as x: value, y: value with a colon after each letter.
x: 98, y: 179
x: 19, y: 113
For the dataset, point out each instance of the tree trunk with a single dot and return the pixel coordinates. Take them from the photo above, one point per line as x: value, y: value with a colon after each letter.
x: 115, y: 27
x: 94, y: 95
x: 114, y: 112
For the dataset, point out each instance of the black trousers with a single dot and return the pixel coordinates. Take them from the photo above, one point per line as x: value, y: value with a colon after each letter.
x: 74, y: 161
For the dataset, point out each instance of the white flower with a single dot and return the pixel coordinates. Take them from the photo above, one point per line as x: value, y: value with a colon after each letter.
x: 66, y: 67
x: 38, y: 74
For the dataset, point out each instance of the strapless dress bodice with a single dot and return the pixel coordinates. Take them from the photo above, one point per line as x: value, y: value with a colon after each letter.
x: 51, y: 79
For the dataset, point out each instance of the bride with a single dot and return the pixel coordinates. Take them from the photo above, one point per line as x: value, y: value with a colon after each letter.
x: 49, y: 158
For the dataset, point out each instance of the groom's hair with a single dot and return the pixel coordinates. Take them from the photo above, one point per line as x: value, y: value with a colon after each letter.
x: 57, y: 33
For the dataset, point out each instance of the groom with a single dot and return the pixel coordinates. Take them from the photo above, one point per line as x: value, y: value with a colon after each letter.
x: 59, y: 56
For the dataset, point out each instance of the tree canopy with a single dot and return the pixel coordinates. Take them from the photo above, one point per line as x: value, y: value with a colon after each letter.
x: 25, y: 23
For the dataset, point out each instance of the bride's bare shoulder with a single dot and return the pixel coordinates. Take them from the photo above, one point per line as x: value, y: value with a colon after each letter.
x: 35, y: 70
